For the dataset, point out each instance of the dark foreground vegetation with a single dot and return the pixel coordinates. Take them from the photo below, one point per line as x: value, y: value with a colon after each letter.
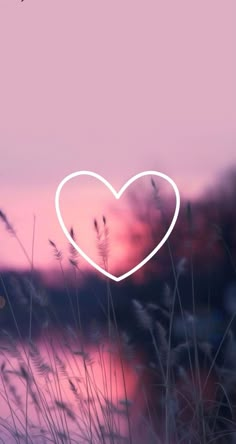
x: 174, y: 329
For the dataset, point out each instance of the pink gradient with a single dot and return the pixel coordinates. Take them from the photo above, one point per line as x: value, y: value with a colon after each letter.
x: 112, y: 87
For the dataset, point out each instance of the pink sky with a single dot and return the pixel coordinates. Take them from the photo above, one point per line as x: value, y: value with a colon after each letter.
x: 112, y: 87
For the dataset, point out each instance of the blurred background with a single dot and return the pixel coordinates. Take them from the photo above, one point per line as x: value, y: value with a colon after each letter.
x: 118, y: 88
x: 112, y: 88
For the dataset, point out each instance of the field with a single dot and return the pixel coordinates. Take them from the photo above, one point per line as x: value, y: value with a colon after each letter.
x: 151, y: 360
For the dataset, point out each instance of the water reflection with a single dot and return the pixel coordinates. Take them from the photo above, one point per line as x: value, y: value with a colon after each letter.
x: 60, y: 390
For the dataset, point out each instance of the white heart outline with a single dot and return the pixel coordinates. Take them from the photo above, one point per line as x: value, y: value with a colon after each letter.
x: 117, y: 195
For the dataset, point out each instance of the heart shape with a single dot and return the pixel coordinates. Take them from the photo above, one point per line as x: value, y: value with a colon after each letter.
x: 117, y: 195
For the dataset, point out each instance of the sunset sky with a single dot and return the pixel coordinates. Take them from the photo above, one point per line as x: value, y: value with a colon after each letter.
x: 115, y: 88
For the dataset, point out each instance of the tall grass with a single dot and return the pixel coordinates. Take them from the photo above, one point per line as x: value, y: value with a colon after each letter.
x: 72, y: 384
